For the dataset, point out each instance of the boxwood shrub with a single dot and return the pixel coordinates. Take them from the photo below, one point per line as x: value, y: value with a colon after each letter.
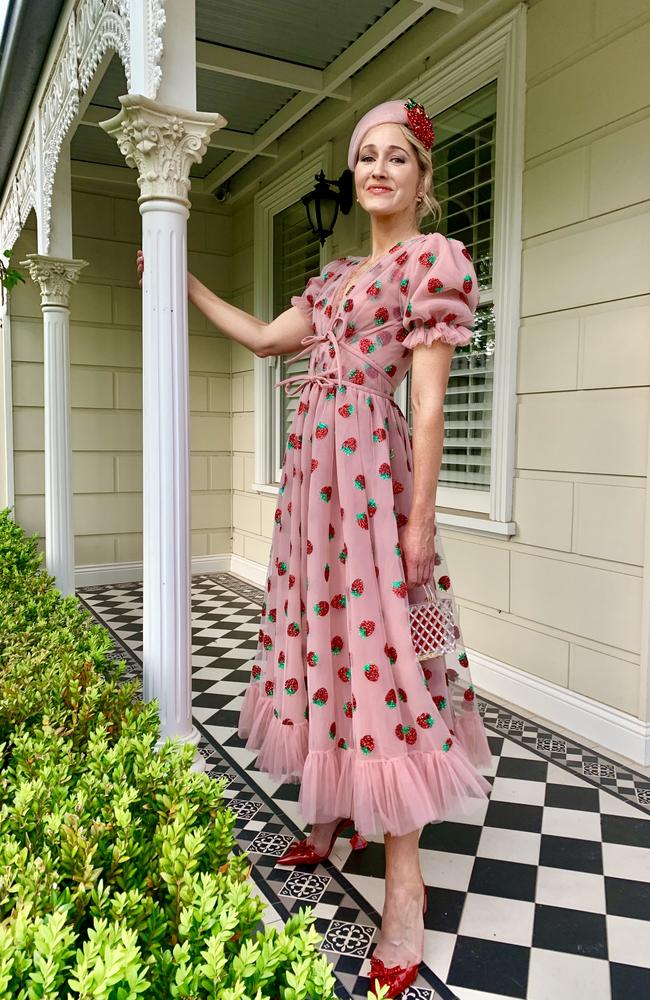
x: 118, y: 874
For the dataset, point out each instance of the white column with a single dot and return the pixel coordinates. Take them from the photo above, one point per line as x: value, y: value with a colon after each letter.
x: 163, y: 143
x: 55, y: 276
x: 166, y: 484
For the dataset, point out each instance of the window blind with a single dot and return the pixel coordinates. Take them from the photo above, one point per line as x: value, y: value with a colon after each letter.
x: 296, y: 258
x: 468, y: 409
x: 463, y: 176
x: 463, y: 172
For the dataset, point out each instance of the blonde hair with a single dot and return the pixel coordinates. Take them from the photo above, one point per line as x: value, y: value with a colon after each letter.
x: 429, y: 204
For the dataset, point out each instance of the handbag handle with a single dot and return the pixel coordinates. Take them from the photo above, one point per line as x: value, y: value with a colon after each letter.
x: 431, y: 593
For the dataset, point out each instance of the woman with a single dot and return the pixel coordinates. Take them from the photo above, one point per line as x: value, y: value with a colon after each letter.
x: 337, y: 698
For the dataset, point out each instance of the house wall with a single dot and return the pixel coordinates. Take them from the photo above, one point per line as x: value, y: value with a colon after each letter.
x: 560, y: 601
x: 106, y: 383
x: 575, y: 569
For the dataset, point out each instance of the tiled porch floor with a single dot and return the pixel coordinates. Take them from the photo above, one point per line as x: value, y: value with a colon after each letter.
x: 544, y: 892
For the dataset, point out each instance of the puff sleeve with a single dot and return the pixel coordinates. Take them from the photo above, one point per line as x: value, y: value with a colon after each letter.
x: 441, y: 294
x: 315, y: 292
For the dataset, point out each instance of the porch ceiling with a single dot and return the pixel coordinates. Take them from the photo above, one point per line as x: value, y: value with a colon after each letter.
x: 304, y: 32
x: 264, y: 66
x: 26, y: 35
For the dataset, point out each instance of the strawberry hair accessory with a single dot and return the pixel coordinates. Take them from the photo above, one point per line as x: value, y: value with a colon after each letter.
x: 408, y: 113
x: 419, y: 123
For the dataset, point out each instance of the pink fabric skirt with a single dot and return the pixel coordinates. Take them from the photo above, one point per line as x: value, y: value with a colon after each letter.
x: 337, y: 699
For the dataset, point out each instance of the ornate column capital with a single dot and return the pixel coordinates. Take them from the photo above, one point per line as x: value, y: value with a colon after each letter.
x: 55, y: 275
x: 162, y: 143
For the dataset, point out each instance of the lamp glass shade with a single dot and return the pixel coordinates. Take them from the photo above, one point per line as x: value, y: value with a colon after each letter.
x: 328, y: 209
x: 322, y: 205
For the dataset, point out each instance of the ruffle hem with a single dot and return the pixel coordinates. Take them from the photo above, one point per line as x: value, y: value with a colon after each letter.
x: 396, y: 795
x: 448, y: 332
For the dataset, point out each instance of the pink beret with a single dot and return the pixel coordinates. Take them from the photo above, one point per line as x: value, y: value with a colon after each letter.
x: 407, y: 113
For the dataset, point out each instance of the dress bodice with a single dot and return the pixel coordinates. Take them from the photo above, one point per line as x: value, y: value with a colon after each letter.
x: 422, y: 289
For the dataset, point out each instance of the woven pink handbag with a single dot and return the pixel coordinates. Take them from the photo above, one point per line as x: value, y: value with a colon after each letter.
x: 432, y: 625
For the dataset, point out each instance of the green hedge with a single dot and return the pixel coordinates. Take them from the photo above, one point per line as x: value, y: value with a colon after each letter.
x: 117, y: 872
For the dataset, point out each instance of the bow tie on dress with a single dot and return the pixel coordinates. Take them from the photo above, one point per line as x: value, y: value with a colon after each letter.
x: 320, y: 378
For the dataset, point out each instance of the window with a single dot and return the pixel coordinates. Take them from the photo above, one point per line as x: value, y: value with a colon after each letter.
x: 296, y: 258
x: 464, y: 181
x: 481, y: 86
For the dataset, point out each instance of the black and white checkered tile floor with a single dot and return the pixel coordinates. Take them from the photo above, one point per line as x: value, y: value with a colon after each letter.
x: 543, y: 893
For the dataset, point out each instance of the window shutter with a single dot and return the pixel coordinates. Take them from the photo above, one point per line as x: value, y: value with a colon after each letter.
x: 468, y: 409
x: 296, y: 258
x: 464, y: 184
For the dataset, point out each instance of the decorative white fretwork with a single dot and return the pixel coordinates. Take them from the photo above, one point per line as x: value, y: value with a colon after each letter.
x: 55, y: 277
x: 9, y: 220
x: 162, y: 143
x: 101, y: 25
x: 155, y: 24
x: 94, y: 27
x: 26, y: 179
x: 58, y: 109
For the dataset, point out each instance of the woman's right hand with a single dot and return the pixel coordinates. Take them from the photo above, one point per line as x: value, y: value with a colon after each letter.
x: 139, y: 263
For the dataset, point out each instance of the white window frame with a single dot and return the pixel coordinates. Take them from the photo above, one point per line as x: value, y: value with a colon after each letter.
x: 497, y: 53
x: 273, y: 199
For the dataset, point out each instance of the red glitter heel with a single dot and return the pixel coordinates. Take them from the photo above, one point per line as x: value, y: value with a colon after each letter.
x: 303, y: 853
x: 357, y: 842
x: 396, y: 978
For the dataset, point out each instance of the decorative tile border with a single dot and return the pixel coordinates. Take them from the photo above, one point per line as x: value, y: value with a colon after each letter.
x: 631, y: 786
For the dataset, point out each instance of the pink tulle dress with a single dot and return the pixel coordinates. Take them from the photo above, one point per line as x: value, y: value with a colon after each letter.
x: 337, y: 699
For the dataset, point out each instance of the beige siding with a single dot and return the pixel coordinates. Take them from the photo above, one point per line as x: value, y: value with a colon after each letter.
x: 106, y: 385
x: 584, y: 352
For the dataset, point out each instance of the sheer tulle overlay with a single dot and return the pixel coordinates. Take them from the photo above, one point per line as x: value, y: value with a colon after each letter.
x: 337, y: 699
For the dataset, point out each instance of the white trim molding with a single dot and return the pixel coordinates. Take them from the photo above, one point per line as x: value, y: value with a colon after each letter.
x: 254, y: 572
x: 146, y: 26
x: 133, y: 572
x: 617, y: 731
x: 479, y: 525
x: 273, y: 199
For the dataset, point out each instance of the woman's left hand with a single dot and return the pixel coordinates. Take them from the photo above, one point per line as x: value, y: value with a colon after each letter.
x: 417, y: 542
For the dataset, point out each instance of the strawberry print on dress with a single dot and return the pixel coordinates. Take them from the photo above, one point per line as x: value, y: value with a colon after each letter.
x: 337, y: 699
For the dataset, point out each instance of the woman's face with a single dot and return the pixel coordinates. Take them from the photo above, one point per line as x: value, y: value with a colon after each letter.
x: 387, y: 174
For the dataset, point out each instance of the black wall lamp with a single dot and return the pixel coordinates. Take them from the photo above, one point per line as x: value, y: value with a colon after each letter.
x: 323, y: 203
